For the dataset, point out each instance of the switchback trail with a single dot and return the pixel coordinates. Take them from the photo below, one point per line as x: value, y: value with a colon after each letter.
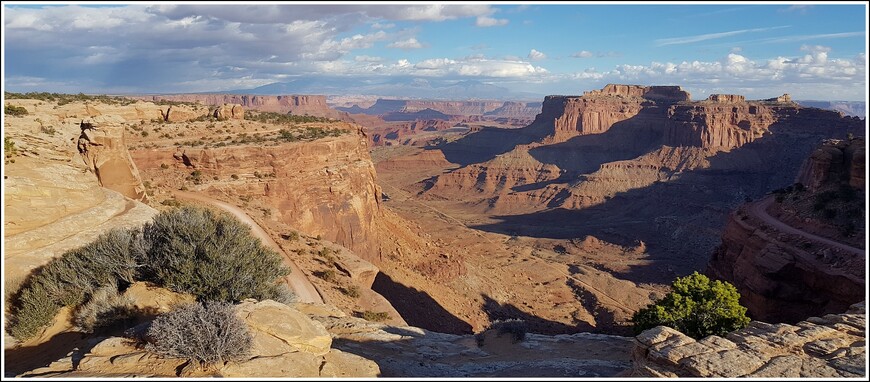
x: 759, y: 209
x: 305, y: 291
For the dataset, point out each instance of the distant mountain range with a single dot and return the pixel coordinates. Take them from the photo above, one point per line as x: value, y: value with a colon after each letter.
x: 405, y: 88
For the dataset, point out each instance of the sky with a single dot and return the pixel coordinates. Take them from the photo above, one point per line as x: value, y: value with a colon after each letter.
x: 812, y: 51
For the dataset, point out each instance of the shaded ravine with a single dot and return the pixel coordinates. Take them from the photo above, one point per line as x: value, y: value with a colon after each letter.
x: 305, y: 291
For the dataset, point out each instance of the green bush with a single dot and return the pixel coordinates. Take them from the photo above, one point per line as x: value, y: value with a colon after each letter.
x: 696, y: 306
x: 212, y: 256
x: 327, y: 275
x: 351, y: 291
x: 369, y: 315
x: 14, y: 111
x: 516, y: 328
x: 106, y: 307
x: 70, y: 279
x: 189, y: 250
x: 9, y: 148
x: 208, y: 333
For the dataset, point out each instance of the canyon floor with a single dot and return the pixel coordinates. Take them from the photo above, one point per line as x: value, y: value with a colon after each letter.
x: 583, y: 283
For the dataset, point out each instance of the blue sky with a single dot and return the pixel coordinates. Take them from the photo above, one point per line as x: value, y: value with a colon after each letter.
x: 813, y: 51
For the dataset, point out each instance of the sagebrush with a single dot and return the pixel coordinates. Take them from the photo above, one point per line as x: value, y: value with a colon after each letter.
x: 106, y: 307
x: 212, y: 256
x: 71, y: 278
x: 189, y: 250
x: 207, y: 333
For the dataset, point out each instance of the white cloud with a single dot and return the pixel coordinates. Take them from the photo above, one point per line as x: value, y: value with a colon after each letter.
x: 535, y: 55
x: 486, y: 21
x: 434, y: 63
x: 809, y: 75
x: 410, y: 43
x: 583, y: 54
x: 383, y: 26
x: 433, y: 12
x: 799, y: 8
x: 365, y: 58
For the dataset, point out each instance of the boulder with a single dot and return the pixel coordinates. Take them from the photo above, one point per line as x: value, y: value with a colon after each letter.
x: 279, y: 329
x: 155, y: 300
x: 228, y: 111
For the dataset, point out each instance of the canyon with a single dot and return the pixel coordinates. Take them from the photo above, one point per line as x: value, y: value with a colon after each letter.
x: 570, y: 223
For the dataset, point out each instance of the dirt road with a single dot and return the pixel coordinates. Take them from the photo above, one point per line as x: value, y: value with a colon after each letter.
x: 305, y: 291
x: 759, y: 209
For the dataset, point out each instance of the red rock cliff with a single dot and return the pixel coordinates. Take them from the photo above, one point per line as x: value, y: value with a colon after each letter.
x: 833, y: 161
x: 324, y: 187
x: 784, y: 277
x: 296, y: 104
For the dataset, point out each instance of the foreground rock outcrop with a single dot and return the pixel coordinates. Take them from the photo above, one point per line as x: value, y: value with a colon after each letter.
x: 70, y: 181
x: 832, y: 346
x: 286, y: 344
x: 406, y: 351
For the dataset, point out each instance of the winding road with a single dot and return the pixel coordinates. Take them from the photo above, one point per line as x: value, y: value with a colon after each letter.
x: 759, y: 209
x: 305, y: 291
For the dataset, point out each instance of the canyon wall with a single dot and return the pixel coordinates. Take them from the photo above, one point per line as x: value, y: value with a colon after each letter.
x: 615, y: 132
x: 784, y: 277
x: 464, y: 108
x: 834, y: 161
x: 314, y: 105
x: 324, y: 187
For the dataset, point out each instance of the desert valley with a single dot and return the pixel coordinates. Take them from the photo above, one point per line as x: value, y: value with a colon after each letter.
x: 360, y: 235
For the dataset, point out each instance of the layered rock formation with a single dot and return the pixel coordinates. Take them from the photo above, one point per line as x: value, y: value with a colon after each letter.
x: 402, y: 133
x: 325, y: 187
x: 314, y: 105
x: 520, y: 110
x: 834, y: 161
x: 657, y: 93
x: 464, y: 108
x: 637, y: 159
x: 104, y: 151
x: 832, y: 346
x: 229, y: 111
x: 783, y: 277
